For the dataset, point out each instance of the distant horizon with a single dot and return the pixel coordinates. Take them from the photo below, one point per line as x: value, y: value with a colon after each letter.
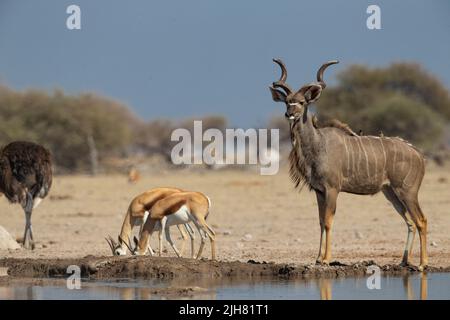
x: 183, y: 60
x: 133, y: 111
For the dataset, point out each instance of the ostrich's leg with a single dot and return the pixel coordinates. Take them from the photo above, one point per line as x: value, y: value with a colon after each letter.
x: 28, y: 234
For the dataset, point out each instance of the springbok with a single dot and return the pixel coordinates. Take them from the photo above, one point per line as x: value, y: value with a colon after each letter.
x: 183, y: 207
x: 332, y: 158
x: 137, y: 213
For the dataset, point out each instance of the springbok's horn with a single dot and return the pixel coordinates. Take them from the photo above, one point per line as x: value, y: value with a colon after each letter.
x: 321, y: 70
x: 126, y: 244
x: 110, y: 245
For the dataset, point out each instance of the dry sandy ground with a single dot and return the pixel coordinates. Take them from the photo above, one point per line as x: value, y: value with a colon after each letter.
x: 256, y: 217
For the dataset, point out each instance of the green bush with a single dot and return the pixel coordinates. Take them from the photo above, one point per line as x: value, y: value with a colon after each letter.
x: 64, y: 124
x: 401, y: 99
x: 401, y: 116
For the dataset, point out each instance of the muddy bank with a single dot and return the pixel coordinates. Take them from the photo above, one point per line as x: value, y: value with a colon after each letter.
x: 170, y: 268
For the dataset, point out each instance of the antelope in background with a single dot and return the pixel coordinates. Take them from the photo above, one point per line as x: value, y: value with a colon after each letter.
x: 137, y: 213
x: 133, y: 175
x: 184, y: 207
x: 332, y: 159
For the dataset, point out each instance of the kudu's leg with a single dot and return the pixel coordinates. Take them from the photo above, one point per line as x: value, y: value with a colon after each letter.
x: 408, y: 287
x: 401, y: 209
x: 423, y: 286
x: 419, y: 219
x: 322, y: 240
x: 327, y: 208
x: 325, y: 286
x: 321, y: 204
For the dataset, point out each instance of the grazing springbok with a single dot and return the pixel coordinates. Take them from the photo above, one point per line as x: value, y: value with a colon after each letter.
x: 332, y: 158
x: 26, y: 178
x: 136, y: 215
x: 184, y: 207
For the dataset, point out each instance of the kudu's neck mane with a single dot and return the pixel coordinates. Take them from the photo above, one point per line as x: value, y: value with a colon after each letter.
x: 305, y: 143
x: 307, y: 147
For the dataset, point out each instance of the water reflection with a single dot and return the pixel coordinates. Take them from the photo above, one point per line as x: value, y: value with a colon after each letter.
x: 409, y: 289
x: 326, y: 286
x: 416, y: 286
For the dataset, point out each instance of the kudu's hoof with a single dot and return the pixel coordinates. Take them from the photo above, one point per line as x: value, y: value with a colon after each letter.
x: 405, y: 264
x: 322, y: 263
x: 422, y: 267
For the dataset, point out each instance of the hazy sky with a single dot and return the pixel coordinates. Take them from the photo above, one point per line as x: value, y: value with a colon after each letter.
x: 181, y: 58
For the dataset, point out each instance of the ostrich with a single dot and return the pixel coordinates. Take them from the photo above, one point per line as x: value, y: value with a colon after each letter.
x: 26, y: 178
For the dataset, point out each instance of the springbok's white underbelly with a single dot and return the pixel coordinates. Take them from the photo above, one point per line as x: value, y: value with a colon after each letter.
x: 181, y: 216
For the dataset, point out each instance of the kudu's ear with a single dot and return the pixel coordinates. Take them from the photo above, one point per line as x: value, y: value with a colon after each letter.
x: 310, y: 93
x: 277, y: 95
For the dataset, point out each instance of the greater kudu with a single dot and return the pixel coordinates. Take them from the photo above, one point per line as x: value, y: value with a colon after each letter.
x: 332, y: 158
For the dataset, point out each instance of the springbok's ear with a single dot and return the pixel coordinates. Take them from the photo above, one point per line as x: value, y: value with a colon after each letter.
x: 277, y: 95
x: 310, y: 93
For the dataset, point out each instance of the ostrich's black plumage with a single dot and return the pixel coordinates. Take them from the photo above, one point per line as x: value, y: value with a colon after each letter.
x: 25, y: 174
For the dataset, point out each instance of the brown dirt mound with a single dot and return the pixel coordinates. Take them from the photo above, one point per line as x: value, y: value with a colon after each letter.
x: 169, y: 268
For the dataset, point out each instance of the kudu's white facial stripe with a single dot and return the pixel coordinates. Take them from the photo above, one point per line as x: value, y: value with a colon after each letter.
x: 294, y: 104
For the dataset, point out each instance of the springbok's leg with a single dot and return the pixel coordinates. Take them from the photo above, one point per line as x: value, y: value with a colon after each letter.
x: 160, y: 234
x: 207, y: 233
x: 212, y: 240
x: 184, y: 237
x: 390, y: 195
x: 191, y: 234
x: 419, y: 219
x: 149, y: 246
x: 140, y: 222
x: 169, y: 239
x: 327, y: 207
x: 147, y: 231
x: 28, y: 242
